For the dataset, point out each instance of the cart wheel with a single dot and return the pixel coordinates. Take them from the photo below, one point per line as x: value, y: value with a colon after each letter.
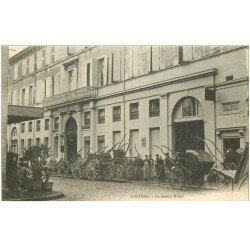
x: 83, y: 171
x: 222, y: 183
x: 92, y: 170
x: 118, y: 171
x: 64, y: 168
x: 76, y: 172
x: 177, y: 179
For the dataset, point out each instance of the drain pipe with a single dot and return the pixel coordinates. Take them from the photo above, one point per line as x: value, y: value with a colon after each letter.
x: 215, y: 122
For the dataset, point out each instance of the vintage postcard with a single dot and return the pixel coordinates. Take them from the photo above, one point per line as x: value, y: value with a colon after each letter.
x: 125, y: 123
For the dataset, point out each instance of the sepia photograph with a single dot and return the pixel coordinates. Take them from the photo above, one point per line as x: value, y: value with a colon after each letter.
x: 125, y: 123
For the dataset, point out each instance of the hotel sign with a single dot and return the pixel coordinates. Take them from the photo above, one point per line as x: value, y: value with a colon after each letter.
x: 74, y: 108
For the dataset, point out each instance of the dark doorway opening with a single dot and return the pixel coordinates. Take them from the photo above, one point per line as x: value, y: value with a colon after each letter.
x: 185, y: 133
x: 71, y: 138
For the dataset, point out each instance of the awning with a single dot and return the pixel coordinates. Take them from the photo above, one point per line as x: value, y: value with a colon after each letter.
x: 18, y: 114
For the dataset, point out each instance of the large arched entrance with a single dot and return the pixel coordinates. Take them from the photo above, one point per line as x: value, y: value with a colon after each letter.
x: 188, y: 124
x: 71, y: 138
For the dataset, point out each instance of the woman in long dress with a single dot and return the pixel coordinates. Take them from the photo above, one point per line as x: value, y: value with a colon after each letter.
x: 146, y: 168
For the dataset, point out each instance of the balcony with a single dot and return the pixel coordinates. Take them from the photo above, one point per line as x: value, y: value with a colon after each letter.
x: 71, y: 96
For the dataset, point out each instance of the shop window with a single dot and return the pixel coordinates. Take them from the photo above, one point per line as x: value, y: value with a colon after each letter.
x: 30, y: 126
x: 101, y: 116
x: 23, y: 128
x: 56, y: 123
x: 38, y: 126
x: 189, y: 107
x: 87, y: 118
x: 46, y: 124
x: 116, y: 113
x: 154, y: 108
x: 86, y: 145
x: 134, y: 111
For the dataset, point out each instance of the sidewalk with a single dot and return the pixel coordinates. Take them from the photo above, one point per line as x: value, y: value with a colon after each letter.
x: 31, y: 196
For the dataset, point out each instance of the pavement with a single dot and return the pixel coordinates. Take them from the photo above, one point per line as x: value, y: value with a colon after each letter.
x: 31, y: 195
x: 85, y: 190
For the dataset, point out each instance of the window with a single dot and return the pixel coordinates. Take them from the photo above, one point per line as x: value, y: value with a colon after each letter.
x: 52, y: 85
x: 46, y: 141
x: 56, y: 123
x: 88, y: 74
x: 101, y: 141
x: 101, y: 71
x: 101, y: 116
x: 28, y: 65
x: 23, y: 128
x: 46, y: 124
x: 30, y: 126
x: 23, y: 97
x: 30, y: 95
x: 229, y: 78
x: 154, y: 107
x: 134, y: 111
x: 70, y: 77
x: 14, y: 132
x: 38, y: 125
x: 87, y: 118
x: 29, y: 142
x: 116, y: 113
x: 230, y: 107
x: 37, y: 141
x: 189, y: 107
x: 230, y: 144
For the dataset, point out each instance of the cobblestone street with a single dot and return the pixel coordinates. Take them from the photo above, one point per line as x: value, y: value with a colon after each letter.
x: 99, y: 190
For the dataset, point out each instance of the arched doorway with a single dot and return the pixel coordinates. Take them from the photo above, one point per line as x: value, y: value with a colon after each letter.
x: 188, y: 123
x: 71, y: 138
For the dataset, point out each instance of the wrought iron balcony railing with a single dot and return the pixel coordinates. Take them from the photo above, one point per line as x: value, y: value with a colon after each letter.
x: 74, y: 95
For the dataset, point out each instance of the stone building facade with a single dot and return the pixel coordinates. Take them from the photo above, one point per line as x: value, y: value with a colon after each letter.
x: 157, y: 95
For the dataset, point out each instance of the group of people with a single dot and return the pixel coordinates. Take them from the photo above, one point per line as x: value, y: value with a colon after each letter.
x: 146, y: 169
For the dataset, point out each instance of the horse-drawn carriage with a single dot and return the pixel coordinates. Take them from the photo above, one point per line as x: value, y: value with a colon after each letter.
x: 187, y: 169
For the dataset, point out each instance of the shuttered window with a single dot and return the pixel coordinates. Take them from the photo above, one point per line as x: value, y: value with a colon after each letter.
x: 134, y: 111
x: 168, y: 56
x: 116, y: 66
x: 101, y: 116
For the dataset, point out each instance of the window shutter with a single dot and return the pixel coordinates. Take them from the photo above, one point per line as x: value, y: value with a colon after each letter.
x: 144, y: 60
x: 48, y: 55
x: 39, y: 60
x: 48, y: 86
x: 116, y: 72
x: 16, y: 72
x: 168, y: 56
x: 135, y: 61
x: 187, y: 53
x: 197, y: 52
x: 155, y: 58
x: 71, y: 50
x: 57, y: 53
x: 20, y: 70
x: 31, y: 64
x: 57, y: 84
x: 39, y: 91
x: 24, y: 67
x: 74, y: 83
x: 94, y: 72
x: 105, y: 71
